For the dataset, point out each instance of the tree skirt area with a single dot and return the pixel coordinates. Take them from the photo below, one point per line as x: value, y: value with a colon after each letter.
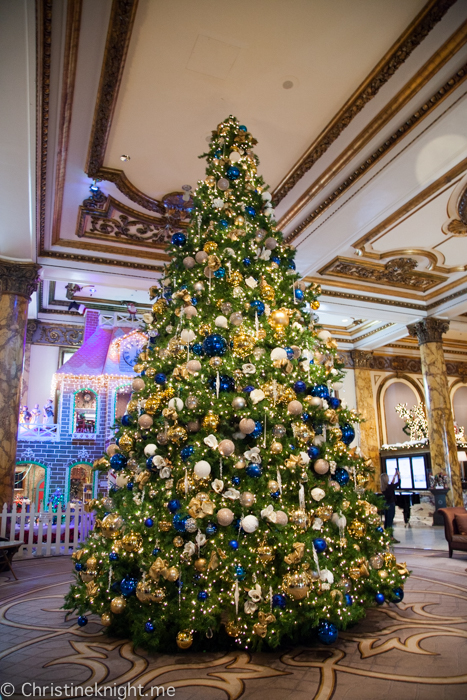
x: 416, y: 649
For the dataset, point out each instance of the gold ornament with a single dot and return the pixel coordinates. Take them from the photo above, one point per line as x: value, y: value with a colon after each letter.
x: 383, y: 573
x: 106, y: 620
x: 147, y: 593
x: 296, y: 555
x: 184, y: 639
x: 389, y: 559
x: 152, y: 404
x: 265, y: 553
x: 273, y: 486
x: 261, y: 627
x: 279, y: 317
x: 331, y: 415
x: 235, y: 278
x: 177, y: 434
x: 91, y: 563
x: 315, y: 305
x: 300, y: 519
x: 201, y: 565
x: 215, y: 362
x: 150, y: 372
x: 243, y: 343
x: 132, y: 542
x: 185, y: 485
x: 267, y: 292
x: 214, y: 262
x: 324, y: 512
x: 126, y: 443
x: 354, y: 572
x: 110, y: 525
x: 132, y: 406
x: 159, y: 307
x: 118, y: 604
x: 171, y: 574
x: 296, y: 585
x: 211, y: 421
x: 232, y: 629
x: 210, y: 181
x: 209, y: 247
x: 239, y: 221
x: 178, y: 541
x: 357, y: 529
x: 376, y: 561
x: 92, y: 589
x: 205, y: 329
x: 345, y: 505
x: 164, y: 525
x: 402, y: 568
x: 276, y: 447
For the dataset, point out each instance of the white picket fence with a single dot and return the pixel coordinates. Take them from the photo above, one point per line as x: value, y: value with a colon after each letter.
x: 44, y: 532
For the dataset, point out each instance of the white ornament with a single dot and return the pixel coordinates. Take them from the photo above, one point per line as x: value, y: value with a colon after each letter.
x: 203, y: 469
x: 150, y: 450
x: 250, y: 523
x: 257, y: 395
x: 339, y: 520
x: 217, y: 485
x: 211, y: 441
x: 122, y: 480
x: 278, y: 354
x: 187, y: 335
x: 232, y: 494
x: 248, y: 368
x: 176, y: 403
x: 318, y: 494
x: 218, y: 203
x: 147, y: 318
x: 221, y: 322
x: 251, y: 282
x: 324, y: 336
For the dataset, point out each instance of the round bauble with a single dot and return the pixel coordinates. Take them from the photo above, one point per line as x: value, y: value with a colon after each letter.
x: 150, y: 449
x: 324, y: 336
x: 247, y: 426
x: 190, y: 311
x: 294, y: 408
x: 279, y: 430
x: 250, y: 523
x: 111, y: 523
x: 296, y: 585
x: 281, y: 518
x: 234, y: 157
x: 201, y: 257
x: 191, y: 402
x: 145, y: 421
x: 189, y: 262
x: 184, y: 639
x: 202, y: 469
x: 172, y: 574
x: 321, y: 466
x: 201, y: 565
x: 106, y: 620
x: 225, y: 516
x: 112, y: 449
x: 176, y: 404
x: 316, y: 402
x: 138, y: 384
x: 238, y: 403
x: 279, y: 317
x: 270, y: 243
x: 193, y: 426
x: 118, y: 605
x: 247, y: 499
x: 187, y: 335
x: 376, y: 561
x: 221, y: 322
x: 122, y: 481
x: 223, y: 184
x: 226, y: 448
x: 193, y: 366
x: 327, y: 632
x: 278, y: 354
x: 276, y: 447
x: 236, y: 319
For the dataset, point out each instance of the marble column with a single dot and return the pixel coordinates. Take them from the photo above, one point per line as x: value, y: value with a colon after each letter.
x: 443, y: 448
x: 17, y: 282
x: 369, y: 443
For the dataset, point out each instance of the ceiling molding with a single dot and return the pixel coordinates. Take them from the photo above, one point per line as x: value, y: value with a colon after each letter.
x: 123, y: 184
x: 399, y: 272
x: 114, y: 250
x: 43, y: 58
x: 105, y: 262
x: 418, y: 30
x: 407, y: 209
x: 365, y: 335
x: 404, y: 129
x: 121, y: 22
x: 456, y: 225
x: 73, y: 22
x: 94, y: 303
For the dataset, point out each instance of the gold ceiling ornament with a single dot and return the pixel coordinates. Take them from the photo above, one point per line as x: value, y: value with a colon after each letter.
x: 456, y: 225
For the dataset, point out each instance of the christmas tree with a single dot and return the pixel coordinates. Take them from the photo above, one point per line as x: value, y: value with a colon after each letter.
x: 239, y: 514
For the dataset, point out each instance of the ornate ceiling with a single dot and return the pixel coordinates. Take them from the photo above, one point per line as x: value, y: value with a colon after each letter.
x: 359, y: 109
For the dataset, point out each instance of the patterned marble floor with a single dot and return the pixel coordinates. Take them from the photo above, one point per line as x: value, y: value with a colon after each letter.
x: 414, y: 651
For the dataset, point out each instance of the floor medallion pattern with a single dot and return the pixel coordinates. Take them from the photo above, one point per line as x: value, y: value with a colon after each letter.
x: 416, y: 650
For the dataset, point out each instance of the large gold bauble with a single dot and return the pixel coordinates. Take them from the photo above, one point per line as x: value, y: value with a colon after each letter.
x: 152, y: 404
x: 296, y: 585
x: 315, y: 305
x: 211, y: 421
x: 300, y: 519
x: 118, y: 605
x: 324, y: 512
x: 265, y: 553
x: 106, y: 620
x: 91, y: 563
x: 243, y: 343
x: 164, y: 525
x: 355, y: 573
x: 276, y: 447
x: 184, y: 639
x: 273, y: 486
x: 177, y: 434
x: 232, y: 629
x: 376, y: 561
x: 357, y: 529
x: 185, y: 485
x: 201, y: 564
x: 126, y: 443
x: 146, y: 592
x: 214, y: 262
x: 132, y: 406
x: 235, y: 278
x: 178, y: 541
x: 132, y: 542
x: 389, y: 559
x: 279, y: 317
x: 210, y: 181
x: 172, y: 574
x: 209, y: 247
x: 111, y: 524
x: 383, y: 573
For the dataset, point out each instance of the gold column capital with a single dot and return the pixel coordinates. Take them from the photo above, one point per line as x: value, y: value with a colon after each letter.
x: 362, y: 359
x: 17, y: 278
x: 429, y: 330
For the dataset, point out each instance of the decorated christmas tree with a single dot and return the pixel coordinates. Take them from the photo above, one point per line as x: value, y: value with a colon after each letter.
x: 239, y: 514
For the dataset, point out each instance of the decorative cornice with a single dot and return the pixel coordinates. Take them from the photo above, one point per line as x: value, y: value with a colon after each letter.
x: 92, y: 260
x: 399, y: 364
x: 429, y: 330
x: 372, y: 300
x: 381, y: 151
x: 457, y: 212
x: 95, y: 303
x: 362, y: 359
x: 421, y: 26
x: 21, y: 279
x: 41, y: 333
x: 43, y: 58
x: 399, y: 272
x: 364, y: 335
x: 127, y: 188
x: 118, y: 39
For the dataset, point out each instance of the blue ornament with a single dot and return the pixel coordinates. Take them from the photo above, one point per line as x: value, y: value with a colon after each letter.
x: 220, y: 273
x: 129, y: 486
x: 211, y: 529
x: 276, y: 260
x: 197, y: 349
x: 251, y: 211
x: 224, y: 223
x: 319, y: 544
x: 298, y: 294
x: 379, y: 597
x: 321, y: 391
x: 233, y: 544
x: 113, y: 556
x: 348, y: 433
x: 276, y: 494
x: 258, y: 306
x: 214, y: 345
x: 156, y: 551
x: 305, y: 417
x: 313, y: 452
x: 334, y: 402
x: 149, y: 522
x: 149, y: 464
x: 299, y: 387
x: 254, y: 470
x: 246, y: 261
x: 128, y: 586
x: 118, y: 461
x: 127, y: 420
x: 398, y: 594
x: 149, y: 627
x: 168, y: 295
x: 160, y: 378
x: 380, y: 529
x: 186, y: 452
x: 289, y: 352
x: 327, y: 632
x: 291, y: 265
x: 233, y: 172
x: 240, y: 573
x: 341, y: 476
x: 78, y: 566
x: 113, y: 489
x: 218, y: 153
x: 82, y: 620
x: 179, y: 522
x: 348, y: 599
x: 279, y: 601
x: 183, y: 286
x: 258, y: 429
x: 178, y: 239
x: 226, y: 383
x: 174, y: 505
x: 242, y: 127
x: 194, y: 301
x: 236, y: 481
x: 203, y: 595
x: 248, y: 389
x: 196, y: 577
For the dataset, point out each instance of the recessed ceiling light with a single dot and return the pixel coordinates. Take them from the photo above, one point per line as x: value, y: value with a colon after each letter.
x: 287, y: 84
x: 124, y: 158
x: 345, y: 320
